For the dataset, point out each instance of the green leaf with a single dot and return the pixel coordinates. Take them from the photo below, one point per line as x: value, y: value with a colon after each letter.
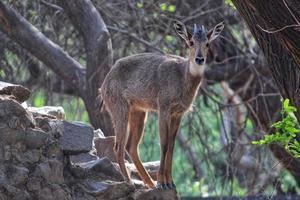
x: 171, y: 8
x: 139, y: 4
x: 163, y: 6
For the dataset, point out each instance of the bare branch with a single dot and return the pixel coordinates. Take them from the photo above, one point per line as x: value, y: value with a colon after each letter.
x: 147, y: 44
x: 26, y: 35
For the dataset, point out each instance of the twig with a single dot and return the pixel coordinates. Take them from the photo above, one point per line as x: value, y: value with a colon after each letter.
x: 278, y: 30
x: 135, y: 38
x: 52, y: 5
x: 291, y: 12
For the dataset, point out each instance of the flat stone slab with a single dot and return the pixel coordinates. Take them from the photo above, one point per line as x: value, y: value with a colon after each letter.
x: 151, y: 167
x: 76, y: 137
x: 20, y: 93
x: 102, y: 169
x: 12, y: 113
x: 56, y: 111
x: 83, y: 157
x: 153, y: 194
x: 107, y: 189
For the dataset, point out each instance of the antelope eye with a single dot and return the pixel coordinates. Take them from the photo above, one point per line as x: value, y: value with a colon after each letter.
x: 207, y: 44
x: 191, y: 43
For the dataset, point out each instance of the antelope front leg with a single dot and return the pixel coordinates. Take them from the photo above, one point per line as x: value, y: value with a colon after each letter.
x: 163, y: 120
x: 174, y: 126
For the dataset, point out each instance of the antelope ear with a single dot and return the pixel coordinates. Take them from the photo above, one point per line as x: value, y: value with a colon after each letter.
x: 215, y: 32
x: 182, y: 31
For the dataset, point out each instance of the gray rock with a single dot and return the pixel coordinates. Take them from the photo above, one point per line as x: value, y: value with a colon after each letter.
x: 34, y: 184
x: 107, y: 190
x: 14, y: 115
x: 75, y: 137
x: 17, y: 175
x: 16, y: 193
x: 151, y: 167
x: 36, y: 138
x: 19, y: 92
x: 83, y: 157
x: 102, y: 168
x: 32, y: 156
x: 53, y: 192
x: 56, y: 111
x: 51, y: 171
x: 148, y: 194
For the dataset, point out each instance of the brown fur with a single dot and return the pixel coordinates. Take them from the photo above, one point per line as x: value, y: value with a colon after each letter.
x: 146, y: 82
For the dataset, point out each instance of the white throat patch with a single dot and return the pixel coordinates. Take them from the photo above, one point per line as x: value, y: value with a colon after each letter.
x: 195, y: 69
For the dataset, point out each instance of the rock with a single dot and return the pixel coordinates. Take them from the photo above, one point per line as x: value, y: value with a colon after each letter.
x: 56, y: 111
x: 107, y: 190
x: 35, y: 138
x: 14, y: 115
x: 53, y: 192
x: 83, y: 157
x: 102, y: 168
x: 19, y: 92
x: 51, y: 171
x: 148, y: 194
x: 105, y: 147
x: 32, y: 138
x: 151, y: 167
x: 17, y: 175
x: 32, y: 156
x: 16, y: 193
x: 75, y: 137
x: 34, y: 184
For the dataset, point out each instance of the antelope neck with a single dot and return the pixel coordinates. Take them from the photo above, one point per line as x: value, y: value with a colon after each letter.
x: 195, y: 70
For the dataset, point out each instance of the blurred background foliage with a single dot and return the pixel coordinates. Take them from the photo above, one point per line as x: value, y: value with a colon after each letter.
x: 212, y: 156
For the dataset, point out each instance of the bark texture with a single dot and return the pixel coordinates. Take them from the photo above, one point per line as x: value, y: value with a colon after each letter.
x: 276, y: 28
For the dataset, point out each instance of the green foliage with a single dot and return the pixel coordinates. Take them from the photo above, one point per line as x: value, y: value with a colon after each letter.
x: 230, y: 3
x: 167, y: 7
x: 2, y: 73
x: 139, y: 4
x: 39, y: 99
x: 285, y: 131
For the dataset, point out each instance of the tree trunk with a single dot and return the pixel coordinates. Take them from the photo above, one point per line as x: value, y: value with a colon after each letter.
x: 280, y: 42
x: 99, y: 57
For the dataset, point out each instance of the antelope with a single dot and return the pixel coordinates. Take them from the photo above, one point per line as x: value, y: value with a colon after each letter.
x: 166, y: 84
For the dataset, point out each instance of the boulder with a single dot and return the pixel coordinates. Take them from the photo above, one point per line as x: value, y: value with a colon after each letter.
x: 83, y: 157
x: 148, y: 194
x: 15, y: 115
x: 17, y: 92
x: 51, y: 171
x: 151, y: 167
x: 56, y: 111
x: 17, y: 175
x: 75, y: 137
x: 107, y: 189
x: 102, y: 169
x: 32, y: 138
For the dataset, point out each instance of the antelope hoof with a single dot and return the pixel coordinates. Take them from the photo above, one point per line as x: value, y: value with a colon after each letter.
x: 171, y: 186
x: 165, y: 186
x: 160, y: 186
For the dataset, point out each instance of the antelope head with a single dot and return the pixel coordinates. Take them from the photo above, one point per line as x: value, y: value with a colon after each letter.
x: 198, y: 43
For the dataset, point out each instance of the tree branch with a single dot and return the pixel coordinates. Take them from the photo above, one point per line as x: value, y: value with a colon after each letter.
x: 31, y: 39
x: 90, y: 24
